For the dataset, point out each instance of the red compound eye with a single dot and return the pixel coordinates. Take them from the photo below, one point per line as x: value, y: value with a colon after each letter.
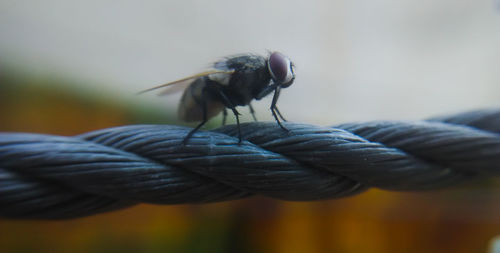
x: 280, y: 68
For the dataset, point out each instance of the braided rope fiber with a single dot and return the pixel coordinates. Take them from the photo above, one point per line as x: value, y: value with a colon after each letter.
x: 55, y: 177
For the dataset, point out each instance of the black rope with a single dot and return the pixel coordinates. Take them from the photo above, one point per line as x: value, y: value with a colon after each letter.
x: 53, y: 177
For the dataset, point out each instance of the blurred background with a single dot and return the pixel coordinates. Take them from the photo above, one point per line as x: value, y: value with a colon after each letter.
x: 67, y: 67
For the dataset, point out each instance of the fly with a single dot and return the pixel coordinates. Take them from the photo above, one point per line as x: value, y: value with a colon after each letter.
x: 234, y: 81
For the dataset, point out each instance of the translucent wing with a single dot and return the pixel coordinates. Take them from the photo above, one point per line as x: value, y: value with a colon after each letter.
x: 185, y: 81
x: 178, y: 87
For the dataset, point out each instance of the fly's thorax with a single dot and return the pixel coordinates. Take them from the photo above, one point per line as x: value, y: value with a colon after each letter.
x: 191, y: 104
x: 245, y: 85
x: 248, y: 61
x: 249, y: 78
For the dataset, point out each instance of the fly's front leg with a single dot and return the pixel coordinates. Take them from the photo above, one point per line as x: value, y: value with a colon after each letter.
x: 279, y: 113
x: 274, y: 109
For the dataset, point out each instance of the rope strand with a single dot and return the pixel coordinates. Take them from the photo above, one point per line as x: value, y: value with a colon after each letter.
x: 54, y: 177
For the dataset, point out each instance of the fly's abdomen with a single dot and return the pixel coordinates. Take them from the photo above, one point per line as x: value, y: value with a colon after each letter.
x: 191, y: 104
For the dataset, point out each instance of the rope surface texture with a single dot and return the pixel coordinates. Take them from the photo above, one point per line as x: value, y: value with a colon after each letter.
x: 54, y: 177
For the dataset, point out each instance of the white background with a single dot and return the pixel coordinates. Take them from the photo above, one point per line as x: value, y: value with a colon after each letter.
x: 356, y: 60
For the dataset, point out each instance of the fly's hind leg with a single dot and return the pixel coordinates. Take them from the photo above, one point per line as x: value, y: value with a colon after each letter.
x: 203, y: 104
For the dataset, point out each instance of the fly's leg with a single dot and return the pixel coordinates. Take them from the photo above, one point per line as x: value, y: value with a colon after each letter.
x: 274, y: 109
x: 252, y: 111
x: 204, y: 113
x: 236, y: 113
x: 279, y: 113
x: 231, y: 106
x: 224, y: 116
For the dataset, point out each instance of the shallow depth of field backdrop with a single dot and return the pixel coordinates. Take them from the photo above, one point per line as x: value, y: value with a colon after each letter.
x: 69, y: 67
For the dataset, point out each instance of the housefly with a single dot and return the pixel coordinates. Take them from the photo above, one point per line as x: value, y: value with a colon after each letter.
x: 233, y: 81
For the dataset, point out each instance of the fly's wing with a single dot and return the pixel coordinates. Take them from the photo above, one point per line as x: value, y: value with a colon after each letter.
x: 178, y: 87
x: 184, y: 82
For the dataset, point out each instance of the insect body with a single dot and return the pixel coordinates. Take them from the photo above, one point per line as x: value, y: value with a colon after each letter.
x: 235, y: 81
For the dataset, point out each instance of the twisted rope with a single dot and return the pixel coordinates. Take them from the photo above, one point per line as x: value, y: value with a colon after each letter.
x: 53, y: 177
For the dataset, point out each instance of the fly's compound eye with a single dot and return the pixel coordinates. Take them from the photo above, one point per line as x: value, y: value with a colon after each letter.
x: 281, y: 69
